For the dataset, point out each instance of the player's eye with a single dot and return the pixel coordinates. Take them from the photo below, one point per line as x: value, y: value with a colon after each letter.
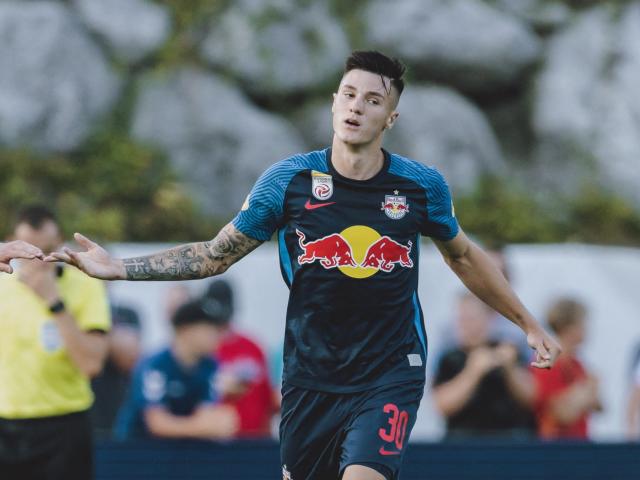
x: 349, y: 94
x: 374, y: 101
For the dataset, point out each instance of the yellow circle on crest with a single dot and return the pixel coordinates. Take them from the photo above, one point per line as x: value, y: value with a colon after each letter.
x: 360, y: 237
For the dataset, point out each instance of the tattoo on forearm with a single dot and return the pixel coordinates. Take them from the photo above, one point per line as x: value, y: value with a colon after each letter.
x: 194, y: 260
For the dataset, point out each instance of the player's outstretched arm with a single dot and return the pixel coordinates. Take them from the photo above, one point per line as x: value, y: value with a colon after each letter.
x: 17, y: 249
x: 184, y: 262
x: 480, y: 275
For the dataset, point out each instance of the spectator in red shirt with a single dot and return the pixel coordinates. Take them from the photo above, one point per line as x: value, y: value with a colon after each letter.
x: 567, y: 393
x: 243, y: 378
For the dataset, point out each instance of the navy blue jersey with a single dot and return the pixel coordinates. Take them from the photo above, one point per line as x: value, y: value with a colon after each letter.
x: 349, y: 253
x: 160, y: 380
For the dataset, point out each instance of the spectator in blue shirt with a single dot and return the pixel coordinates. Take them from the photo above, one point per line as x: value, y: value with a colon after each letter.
x: 173, y: 392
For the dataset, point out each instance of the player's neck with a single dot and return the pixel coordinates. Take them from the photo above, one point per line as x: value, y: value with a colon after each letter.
x: 360, y: 162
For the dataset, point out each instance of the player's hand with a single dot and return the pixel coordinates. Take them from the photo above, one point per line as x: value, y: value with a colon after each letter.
x: 17, y: 249
x: 547, y: 348
x: 94, y: 261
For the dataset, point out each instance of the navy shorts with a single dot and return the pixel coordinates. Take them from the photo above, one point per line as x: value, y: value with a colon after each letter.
x: 322, y: 433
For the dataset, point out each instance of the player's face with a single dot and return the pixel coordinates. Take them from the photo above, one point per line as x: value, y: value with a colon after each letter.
x: 363, y: 107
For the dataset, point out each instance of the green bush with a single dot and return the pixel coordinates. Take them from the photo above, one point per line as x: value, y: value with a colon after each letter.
x: 112, y: 189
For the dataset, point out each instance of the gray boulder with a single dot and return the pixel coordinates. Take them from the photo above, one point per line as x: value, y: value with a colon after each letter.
x: 217, y: 140
x: 543, y: 15
x: 587, y: 103
x: 131, y: 28
x: 467, y: 43
x: 439, y: 127
x: 54, y: 81
x: 277, y: 46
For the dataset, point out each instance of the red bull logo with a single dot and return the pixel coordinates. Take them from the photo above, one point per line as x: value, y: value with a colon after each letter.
x: 358, y: 251
x: 332, y: 251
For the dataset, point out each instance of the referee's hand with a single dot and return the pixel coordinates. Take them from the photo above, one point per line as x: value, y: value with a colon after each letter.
x: 17, y: 249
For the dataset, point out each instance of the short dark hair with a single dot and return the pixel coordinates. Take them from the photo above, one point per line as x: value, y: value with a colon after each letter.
x: 376, y: 62
x: 191, y: 313
x: 35, y: 216
x: 218, y: 301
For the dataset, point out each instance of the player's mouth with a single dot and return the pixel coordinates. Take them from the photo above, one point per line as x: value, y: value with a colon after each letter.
x: 352, y: 122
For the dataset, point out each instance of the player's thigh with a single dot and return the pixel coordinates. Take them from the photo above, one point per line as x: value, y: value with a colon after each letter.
x: 362, y: 472
x: 311, y: 432
x: 379, y: 431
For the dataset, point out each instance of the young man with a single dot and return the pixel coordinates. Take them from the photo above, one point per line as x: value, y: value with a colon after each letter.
x: 52, y: 340
x: 17, y: 249
x: 173, y: 392
x: 568, y: 394
x: 349, y: 220
x: 243, y: 375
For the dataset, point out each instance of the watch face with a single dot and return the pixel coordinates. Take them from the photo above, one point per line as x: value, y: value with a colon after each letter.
x: 57, y: 307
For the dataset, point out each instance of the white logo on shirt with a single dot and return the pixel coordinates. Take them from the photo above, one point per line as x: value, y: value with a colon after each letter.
x: 415, y: 360
x: 154, y: 385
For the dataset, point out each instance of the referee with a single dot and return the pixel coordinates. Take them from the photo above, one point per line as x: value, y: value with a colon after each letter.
x: 52, y: 340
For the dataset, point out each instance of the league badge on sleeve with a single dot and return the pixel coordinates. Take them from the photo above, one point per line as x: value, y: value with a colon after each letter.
x: 321, y: 185
x: 395, y: 206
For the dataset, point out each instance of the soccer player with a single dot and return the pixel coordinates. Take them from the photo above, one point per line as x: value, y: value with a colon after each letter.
x: 17, y: 249
x: 348, y: 220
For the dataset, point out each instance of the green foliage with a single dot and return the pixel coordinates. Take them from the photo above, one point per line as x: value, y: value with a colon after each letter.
x: 499, y: 213
x: 112, y: 189
x: 190, y: 18
x: 597, y: 216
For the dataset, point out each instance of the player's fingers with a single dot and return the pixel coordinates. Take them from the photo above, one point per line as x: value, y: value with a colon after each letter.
x: 84, y: 241
x: 71, y: 255
x: 542, y: 351
x: 6, y: 268
x: 58, y: 257
x: 541, y: 364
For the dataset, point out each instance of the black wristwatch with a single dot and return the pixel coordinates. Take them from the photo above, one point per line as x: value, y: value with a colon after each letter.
x: 57, y: 307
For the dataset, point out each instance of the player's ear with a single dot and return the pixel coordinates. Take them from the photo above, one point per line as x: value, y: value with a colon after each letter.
x: 333, y: 104
x: 391, y: 120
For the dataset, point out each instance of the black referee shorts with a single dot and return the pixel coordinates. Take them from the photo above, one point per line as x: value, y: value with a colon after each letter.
x: 51, y: 448
x: 322, y: 433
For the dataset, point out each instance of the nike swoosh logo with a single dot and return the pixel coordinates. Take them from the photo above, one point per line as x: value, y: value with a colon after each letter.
x: 313, y: 206
x: 382, y: 451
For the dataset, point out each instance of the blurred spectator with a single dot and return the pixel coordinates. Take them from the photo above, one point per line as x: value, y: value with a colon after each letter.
x: 243, y: 379
x: 480, y: 386
x: 633, y: 406
x: 111, y: 386
x: 53, y: 321
x: 567, y: 393
x: 172, y: 393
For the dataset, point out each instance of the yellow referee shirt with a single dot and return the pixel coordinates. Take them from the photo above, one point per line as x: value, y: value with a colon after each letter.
x: 37, y: 376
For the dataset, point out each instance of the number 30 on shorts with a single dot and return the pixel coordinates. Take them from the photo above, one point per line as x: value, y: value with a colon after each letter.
x: 397, y: 429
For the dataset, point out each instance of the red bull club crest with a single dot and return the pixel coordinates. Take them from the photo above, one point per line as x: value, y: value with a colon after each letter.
x: 358, y: 252
x: 395, y: 206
